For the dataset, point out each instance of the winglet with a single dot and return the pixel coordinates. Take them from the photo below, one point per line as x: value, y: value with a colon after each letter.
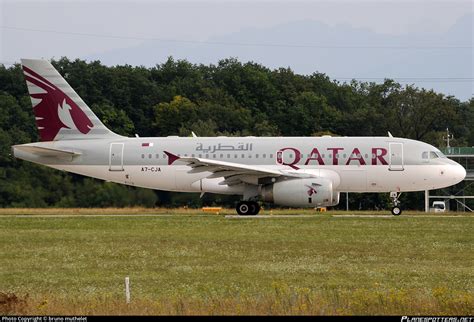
x: 171, y: 157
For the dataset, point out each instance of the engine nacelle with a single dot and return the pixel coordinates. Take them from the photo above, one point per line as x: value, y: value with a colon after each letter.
x: 308, y: 192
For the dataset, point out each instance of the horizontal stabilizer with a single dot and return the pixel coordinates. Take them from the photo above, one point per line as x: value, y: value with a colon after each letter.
x: 46, y: 152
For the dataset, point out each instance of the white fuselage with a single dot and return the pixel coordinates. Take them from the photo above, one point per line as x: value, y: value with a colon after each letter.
x: 354, y: 164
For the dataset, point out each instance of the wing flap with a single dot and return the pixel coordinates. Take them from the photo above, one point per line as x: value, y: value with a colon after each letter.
x: 202, y: 165
x: 224, y: 173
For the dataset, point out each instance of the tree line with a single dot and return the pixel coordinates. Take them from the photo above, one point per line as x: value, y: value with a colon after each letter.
x: 229, y: 98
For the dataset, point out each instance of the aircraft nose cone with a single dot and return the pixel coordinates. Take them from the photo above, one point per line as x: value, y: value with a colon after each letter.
x: 459, y: 173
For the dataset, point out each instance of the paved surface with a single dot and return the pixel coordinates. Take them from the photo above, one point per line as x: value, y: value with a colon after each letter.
x: 101, y: 215
x: 228, y: 216
x: 341, y: 216
x: 401, y: 216
x: 272, y: 216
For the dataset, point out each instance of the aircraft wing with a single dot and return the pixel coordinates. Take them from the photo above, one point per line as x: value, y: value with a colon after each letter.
x: 233, y: 173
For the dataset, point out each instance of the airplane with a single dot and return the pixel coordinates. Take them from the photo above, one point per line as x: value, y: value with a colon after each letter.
x: 285, y: 171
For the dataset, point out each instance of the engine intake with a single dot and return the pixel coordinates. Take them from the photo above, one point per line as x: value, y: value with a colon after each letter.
x: 308, y: 192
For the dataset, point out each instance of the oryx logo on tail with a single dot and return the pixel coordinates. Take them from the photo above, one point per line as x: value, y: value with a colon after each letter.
x: 55, y: 110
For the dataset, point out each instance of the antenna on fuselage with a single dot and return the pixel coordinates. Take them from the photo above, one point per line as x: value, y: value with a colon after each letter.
x: 194, y: 134
x: 389, y: 134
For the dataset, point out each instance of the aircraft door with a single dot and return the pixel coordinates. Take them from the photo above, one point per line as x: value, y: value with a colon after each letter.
x: 396, y: 156
x: 116, y: 157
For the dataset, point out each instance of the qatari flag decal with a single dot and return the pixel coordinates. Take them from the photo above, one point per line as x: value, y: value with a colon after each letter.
x: 146, y: 144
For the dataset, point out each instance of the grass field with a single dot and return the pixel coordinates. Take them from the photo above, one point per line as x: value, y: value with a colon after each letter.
x: 191, y: 263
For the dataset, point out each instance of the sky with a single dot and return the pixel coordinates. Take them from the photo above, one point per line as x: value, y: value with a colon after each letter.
x: 427, y: 43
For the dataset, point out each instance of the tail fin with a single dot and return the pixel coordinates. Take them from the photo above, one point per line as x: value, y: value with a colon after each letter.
x: 60, y: 113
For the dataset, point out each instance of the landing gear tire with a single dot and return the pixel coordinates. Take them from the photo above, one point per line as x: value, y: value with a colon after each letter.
x: 396, y: 211
x: 255, y: 207
x: 247, y: 208
x: 243, y: 208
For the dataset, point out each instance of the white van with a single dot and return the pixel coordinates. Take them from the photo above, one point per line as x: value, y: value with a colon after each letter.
x: 439, y: 206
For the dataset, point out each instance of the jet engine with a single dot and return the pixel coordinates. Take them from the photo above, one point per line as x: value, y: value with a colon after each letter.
x: 307, y: 192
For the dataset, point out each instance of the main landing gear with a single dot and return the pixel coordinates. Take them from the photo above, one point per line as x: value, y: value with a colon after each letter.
x: 247, y: 208
x: 396, y: 209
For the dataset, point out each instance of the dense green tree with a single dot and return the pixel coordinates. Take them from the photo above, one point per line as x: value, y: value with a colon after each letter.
x: 114, y: 118
x: 416, y: 112
x: 170, y: 117
x: 199, y: 127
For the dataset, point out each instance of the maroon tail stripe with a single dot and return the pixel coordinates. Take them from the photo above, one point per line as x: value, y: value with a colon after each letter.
x: 29, y: 71
x: 37, y: 83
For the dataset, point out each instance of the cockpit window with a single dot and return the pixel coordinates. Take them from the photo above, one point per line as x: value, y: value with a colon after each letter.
x: 433, y: 155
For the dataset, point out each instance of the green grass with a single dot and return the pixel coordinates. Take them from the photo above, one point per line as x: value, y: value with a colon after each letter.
x: 209, y: 264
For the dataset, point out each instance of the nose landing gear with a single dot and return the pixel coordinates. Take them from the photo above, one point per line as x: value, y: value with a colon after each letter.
x: 396, y: 209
